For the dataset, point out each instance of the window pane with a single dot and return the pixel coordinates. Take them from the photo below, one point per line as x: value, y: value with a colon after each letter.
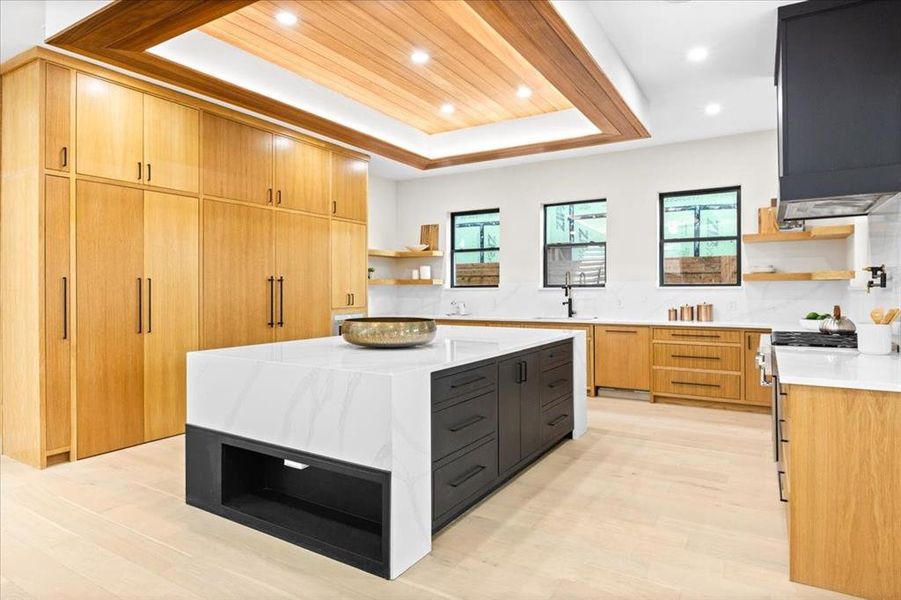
x: 701, y: 215
x: 577, y: 223
x: 480, y: 230
x: 700, y: 263
x: 476, y: 268
x: 585, y: 264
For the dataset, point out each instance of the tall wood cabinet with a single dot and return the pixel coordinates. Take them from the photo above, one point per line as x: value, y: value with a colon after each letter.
x: 121, y: 250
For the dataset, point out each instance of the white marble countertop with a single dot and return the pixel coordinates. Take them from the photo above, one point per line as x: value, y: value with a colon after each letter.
x: 452, y: 346
x: 607, y: 321
x: 838, y: 368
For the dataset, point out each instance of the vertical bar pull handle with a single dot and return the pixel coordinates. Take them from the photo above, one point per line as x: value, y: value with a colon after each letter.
x: 148, y: 171
x: 281, y: 301
x: 271, y: 322
x: 149, y: 292
x: 65, y: 308
x: 278, y: 196
x: 140, y: 307
x: 139, y: 171
x: 334, y: 207
x: 65, y: 156
x: 269, y: 196
x: 525, y: 371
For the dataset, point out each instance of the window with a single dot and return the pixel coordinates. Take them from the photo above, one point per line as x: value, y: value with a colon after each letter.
x: 699, y: 233
x: 475, y: 244
x: 575, y: 242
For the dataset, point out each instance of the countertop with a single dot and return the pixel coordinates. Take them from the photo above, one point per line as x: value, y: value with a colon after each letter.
x: 838, y: 368
x: 606, y: 321
x: 452, y: 346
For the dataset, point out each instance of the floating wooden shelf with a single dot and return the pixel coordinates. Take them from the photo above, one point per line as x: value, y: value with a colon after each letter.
x: 405, y: 253
x: 828, y: 232
x: 405, y: 282
x: 815, y: 276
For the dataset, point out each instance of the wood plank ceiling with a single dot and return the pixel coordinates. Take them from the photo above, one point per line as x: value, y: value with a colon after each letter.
x: 362, y: 49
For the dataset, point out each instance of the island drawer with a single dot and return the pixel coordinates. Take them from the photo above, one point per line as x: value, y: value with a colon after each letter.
x: 713, y: 358
x: 556, y: 421
x: 556, y: 383
x: 463, y: 423
x: 453, y: 483
x: 697, y: 334
x: 463, y: 382
x: 556, y: 355
x: 721, y: 386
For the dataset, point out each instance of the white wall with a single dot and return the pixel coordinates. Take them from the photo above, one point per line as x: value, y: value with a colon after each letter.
x: 382, y: 235
x: 630, y: 181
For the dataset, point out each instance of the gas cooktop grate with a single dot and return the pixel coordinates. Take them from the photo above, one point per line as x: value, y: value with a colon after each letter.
x: 814, y: 339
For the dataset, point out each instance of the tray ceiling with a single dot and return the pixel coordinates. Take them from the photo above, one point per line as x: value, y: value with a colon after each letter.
x: 363, y: 50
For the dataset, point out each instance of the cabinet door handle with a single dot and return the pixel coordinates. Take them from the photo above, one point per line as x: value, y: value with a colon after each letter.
x: 779, y: 475
x: 65, y: 308
x: 525, y: 371
x: 467, y: 423
x: 334, y: 207
x: 140, y: 307
x: 271, y: 322
x: 278, y: 196
x: 466, y: 382
x: 353, y: 299
x: 696, y: 335
x: 149, y: 302
x: 347, y: 299
x: 710, y: 385
x: 139, y: 171
x: 148, y: 171
x: 620, y: 331
x: 467, y: 476
x: 557, y: 382
x: 688, y: 356
x: 281, y: 301
x: 558, y: 420
x: 269, y: 196
x: 65, y: 156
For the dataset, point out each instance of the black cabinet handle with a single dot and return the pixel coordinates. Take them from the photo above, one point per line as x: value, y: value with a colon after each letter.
x: 65, y: 156
x: 620, y: 331
x: 688, y: 356
x: 696, y: 335
x: 281, y: 301
x: 334, y: 207
x: 467, y: 476
x: 467, y: 382
x: 558, y: 420
x: 149, y: 299
x: 278, y: 196
x: 557, y: 382
x: 710, y: 385
x: 65, y: 308
x: 353, y: 299
x: 139, y: 171
x: 525, y: 371
x: 467, y: 423
x: 140, y: 307
x: 779, y: 430
x: 271, y: 321
x: 779, y: 475
x: 148, y: 171
x: 269, y: 196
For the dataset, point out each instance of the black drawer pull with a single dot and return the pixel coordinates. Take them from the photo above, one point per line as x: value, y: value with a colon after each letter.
x: 467, y: 382
x: 687, y: 356
x: 620, y: 331
x: 558, y: 420
x: 696, y: 335
x: 467, y: 476
x: 711, y: 385
x: 554, y: 384
x: 467, y: 423
x: 782, y: 497
x: 779, y: 429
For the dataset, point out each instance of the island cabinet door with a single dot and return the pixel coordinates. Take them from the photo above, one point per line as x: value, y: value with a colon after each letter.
x: 519, y: 409
x: 530, y: 405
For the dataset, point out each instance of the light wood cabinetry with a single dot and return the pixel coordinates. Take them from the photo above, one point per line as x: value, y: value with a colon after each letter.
x: 348, y: 242
x: 302, y: 174
x: 171, y: 145
x: 109, y: 129
x: 350, y: 185
x: 237, y: 160
x: 754, y: 392
x: 57, y: 314
x: 171, y: 308
x: 110, y: 406
x: 57, y: 116
x: 302, y: 267
x: 622, y: 357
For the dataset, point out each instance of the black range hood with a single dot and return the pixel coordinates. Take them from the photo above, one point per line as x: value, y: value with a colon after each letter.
x: 838, y: 73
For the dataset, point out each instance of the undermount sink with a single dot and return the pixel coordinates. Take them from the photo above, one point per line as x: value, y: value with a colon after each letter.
x: 577, y: 318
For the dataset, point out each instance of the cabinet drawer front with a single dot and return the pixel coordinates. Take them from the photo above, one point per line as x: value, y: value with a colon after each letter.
x: 714, y: 358
x: 451, y: 386
x: 556, y: 355
x: 693, y: 383
x: 698, y: 334
x: 556, y: 383
x: 463, y: 423
x: 455, y: 482
x: 556, y: 421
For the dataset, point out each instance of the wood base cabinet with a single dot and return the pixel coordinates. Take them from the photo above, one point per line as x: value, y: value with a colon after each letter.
x: 622, y: 357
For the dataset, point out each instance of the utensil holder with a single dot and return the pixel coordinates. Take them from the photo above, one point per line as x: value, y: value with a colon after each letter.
x: 874, y: 339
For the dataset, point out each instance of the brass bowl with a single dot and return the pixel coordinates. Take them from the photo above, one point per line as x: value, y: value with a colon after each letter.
x: 388, y: 332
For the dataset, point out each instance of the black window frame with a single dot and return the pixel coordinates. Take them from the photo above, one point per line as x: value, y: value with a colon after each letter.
x: 453, y: 247
x: 737, y: 237
x: 545, y: 245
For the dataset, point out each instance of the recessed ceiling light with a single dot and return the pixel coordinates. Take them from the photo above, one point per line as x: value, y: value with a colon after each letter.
x: 697, y: 54
x: 286, y: 18
x: 419, y: 57
x: 447, y: 108
x: 713, y: 109
x: 523, y: 91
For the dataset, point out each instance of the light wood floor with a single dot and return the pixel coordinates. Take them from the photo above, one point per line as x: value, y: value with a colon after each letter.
x: 656, y: 501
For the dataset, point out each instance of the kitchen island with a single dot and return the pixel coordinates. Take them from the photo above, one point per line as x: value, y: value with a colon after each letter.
x: 362, y: 454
